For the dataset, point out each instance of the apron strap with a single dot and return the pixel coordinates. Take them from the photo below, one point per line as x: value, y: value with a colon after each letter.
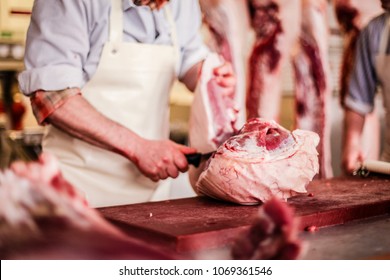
x: 116, y: 21
x: 172, y: 25
x: 385, y: 37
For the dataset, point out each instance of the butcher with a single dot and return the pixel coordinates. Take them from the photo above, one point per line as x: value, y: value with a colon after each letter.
x: 371, y: 68
x: 98, y: 74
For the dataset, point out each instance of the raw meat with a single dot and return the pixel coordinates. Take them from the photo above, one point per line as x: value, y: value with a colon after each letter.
x: 43, y: 217
x: 214, y: 112
x: 228, y: 24
x: 312, y: 79
x: 277, y: 25
x: 273, y: 235
x: 263, y: 160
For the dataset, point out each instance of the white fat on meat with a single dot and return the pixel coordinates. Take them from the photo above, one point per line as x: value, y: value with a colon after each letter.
x: 262, y: 161
x: 214, y: 112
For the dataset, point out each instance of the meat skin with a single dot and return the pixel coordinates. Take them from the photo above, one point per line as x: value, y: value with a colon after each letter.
x: 246, y: 169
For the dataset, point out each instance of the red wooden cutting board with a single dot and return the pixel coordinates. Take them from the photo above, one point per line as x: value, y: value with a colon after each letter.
x: 201, y: 223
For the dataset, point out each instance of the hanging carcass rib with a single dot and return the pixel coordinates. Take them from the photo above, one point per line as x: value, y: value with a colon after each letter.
x: 312, y: 78
x: 276, y: 24
x: 43, y: 217
x: 228, y: 25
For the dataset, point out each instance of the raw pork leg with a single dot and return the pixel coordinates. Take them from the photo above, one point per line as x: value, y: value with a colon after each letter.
x: 276, y: 24
x: 228, y: 25
x: 262, y: 161
x: 312, y: 78
x: 352, y: 16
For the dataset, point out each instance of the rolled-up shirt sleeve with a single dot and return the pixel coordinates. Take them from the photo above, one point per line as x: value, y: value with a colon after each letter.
x: 363, y: 82
x: 57, y: 46
x: 192, y: 47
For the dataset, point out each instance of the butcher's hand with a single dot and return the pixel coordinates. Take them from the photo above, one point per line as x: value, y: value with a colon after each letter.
x: 352, y: 158
x: 225, y: 76
x: 159, y: 160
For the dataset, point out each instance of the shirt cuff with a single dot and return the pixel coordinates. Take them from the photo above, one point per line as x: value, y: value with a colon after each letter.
x: 358, y: 107
x: 44, y: 103
x: 193, y: 59
x: 50, y: 78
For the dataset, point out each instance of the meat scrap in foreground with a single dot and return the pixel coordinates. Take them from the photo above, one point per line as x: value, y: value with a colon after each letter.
x: 43, y: 217
x: 262, y: 161
x: 273, y: 235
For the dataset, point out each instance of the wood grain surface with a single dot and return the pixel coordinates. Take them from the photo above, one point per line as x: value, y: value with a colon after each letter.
x: 198, y: 223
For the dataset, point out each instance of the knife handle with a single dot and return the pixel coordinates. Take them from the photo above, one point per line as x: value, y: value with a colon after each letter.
x: 377, y: 166
x: 194, y: 159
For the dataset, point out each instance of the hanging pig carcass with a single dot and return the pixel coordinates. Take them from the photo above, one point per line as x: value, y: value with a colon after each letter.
x: 276, y: 24
x: 313, y: 80
x: 227, y: 23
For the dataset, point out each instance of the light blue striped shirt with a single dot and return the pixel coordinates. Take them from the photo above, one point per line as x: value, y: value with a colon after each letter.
x: 364, y: 80
x: 66, y: 37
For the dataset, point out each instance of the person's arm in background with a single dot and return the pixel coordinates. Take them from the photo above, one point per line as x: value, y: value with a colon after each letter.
x: 359, y: 101
x: 53, y: 56
x: 352, y: 152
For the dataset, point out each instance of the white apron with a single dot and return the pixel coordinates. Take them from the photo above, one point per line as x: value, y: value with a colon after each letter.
x: 131, y: 86
x: 383, y: 73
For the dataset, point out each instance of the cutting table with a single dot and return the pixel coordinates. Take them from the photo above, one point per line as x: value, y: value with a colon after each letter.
x: 200, y: 227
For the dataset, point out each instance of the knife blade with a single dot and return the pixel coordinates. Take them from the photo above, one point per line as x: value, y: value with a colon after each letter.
x: 197, y: 158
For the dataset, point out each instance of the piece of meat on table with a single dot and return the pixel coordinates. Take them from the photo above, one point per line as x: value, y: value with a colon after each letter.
x: 276, y: 24
x: 262, y: 161
x: 273, y: 235
x: 43, y: 217
x: 313, y: 80
x: 228, y: 24
x: 353, y: 16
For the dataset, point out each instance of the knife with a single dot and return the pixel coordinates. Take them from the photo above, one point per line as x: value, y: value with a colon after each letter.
x: 196, y: 158
x: 375, y: 166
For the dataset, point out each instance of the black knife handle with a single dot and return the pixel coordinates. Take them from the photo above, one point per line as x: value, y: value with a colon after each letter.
x: 194, y: 159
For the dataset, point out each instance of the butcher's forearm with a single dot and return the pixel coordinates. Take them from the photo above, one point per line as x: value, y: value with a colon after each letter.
x: 190, y: 79
x: 353, y: 127
x: 79, y: 119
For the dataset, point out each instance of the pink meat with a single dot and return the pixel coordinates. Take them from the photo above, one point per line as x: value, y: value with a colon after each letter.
x: 272, y: 235
x: 262, y: 161
x: 312, y: 79
x: 276, y: 24
x: 43, y: 217
x: 214, y: 112
x: 228, y: 23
